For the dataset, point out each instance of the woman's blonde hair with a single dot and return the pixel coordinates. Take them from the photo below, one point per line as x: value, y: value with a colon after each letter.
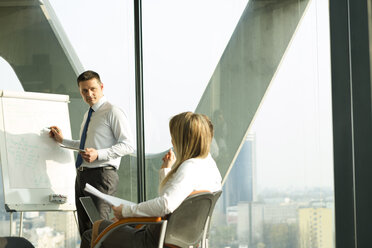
x: 191, y: 137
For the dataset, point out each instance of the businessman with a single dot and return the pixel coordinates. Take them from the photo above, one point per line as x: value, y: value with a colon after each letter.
x: 105, y: 137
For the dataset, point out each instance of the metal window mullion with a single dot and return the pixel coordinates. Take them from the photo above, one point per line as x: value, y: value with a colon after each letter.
x: 141, y: 185
x: 342, y: 125
x: 361, y: 118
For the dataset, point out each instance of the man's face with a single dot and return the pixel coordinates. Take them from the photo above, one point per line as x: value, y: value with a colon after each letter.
x: 91, y: 91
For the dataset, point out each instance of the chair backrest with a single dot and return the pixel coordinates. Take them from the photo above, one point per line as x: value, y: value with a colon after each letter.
x: 15, y: 242
x: 188, y: 223
x: 216, y: 196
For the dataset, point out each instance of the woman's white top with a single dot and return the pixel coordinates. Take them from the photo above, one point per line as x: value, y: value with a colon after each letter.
x: 193, y: 174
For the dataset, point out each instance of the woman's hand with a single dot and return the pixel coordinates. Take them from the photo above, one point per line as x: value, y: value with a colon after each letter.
x: 118, y: 211
x: 168, y: 159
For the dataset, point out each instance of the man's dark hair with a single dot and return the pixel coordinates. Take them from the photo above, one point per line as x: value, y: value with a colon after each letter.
x: 88, y: 75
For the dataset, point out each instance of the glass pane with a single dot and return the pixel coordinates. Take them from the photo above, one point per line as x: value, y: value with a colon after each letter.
x: 279, y: 190
x: 44, y: 45
x: 261, y: 71
x: 179, y: 59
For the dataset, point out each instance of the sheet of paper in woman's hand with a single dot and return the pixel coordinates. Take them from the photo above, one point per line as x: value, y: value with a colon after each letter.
x: 115, y: 201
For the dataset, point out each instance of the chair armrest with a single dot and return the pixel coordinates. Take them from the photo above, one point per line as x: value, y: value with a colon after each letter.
x: 198, y: 192
x: 125, y: 221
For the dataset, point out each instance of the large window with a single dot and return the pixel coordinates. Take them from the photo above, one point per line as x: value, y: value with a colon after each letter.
x: 259, y: 69
x: 262, y: 75
x: 44, y: 45
x: 279, y: 192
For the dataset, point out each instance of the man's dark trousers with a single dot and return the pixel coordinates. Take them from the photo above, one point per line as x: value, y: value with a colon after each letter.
x: 104, y: 179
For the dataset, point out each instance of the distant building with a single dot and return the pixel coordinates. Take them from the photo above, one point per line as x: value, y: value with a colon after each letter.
x: 241, y: 183
x: 316, y: 227
x: 65, y: 223
x: 279, y: 213
x: 5, y: 228
x: 46, y: 237
x: 250, y: 222
x: 240, y: 194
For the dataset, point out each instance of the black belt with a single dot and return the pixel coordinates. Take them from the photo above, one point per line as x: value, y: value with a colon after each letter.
x: 83, y: 168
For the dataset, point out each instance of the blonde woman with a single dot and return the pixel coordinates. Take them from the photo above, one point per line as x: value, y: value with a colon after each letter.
x: 190, y: 168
